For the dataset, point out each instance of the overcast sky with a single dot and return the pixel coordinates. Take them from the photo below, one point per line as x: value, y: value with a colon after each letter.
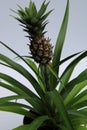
x: 11, y: 33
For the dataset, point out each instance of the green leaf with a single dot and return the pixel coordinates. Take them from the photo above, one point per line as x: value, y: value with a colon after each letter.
x: 9, y: 98
x: 19, y: 68
x: 34, y: 125
x: 78, y: 121
x: 82, y: 96
x: 29, y: 96
x: 81, y: 104
x: 30, y: 9
x: 65, y: 78
x: 69, y: 57
x: 21, y: 12
x: 37, y: 72
x: 43, y: 75
x: 60, y: 39
x: 20, y: 57
x: 69, y: 86
x: 80, y: 113
x: 82, y: 127
x: 52, y: 71
x: 6, y: 103
x: 42, y: 9
x: 34, y: 9
x: 75, y: 91
x: 17, y: 84
x: 34, y: 82
x: 68, y: 72
x: 13, y: 107
x: 37, y: 102
x: 32, y: 65
x: 14, y: 52
x: 58, y: 102
x: 45, y: 15
x: 9, y: 87
x: 34, y: 101
x: 79, y: 101
x: 59, y: 46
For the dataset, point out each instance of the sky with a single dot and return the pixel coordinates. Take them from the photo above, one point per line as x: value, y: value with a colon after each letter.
x: 12, y: 34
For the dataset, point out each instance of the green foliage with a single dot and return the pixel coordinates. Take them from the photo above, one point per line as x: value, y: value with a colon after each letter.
x: 59, y: 102
x: 34, y: 125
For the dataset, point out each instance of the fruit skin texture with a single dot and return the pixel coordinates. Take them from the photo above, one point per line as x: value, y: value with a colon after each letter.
x: 41, y: 50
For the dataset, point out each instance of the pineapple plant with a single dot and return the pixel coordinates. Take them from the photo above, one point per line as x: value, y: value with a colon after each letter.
x: 59, y: 103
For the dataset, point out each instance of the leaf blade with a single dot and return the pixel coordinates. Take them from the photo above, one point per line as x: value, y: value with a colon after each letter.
x: 60, y: 39
x: 19, y: 68
x: 69, y: 69
x: 59, y: 45
x: 34, y: 125
x: 57, y: 100
x: 75, y: 91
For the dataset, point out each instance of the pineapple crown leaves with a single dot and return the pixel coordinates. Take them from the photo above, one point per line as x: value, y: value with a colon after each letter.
x: 34, y: 21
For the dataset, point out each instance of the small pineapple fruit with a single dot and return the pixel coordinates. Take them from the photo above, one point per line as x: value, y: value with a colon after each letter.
x: 34, y: 23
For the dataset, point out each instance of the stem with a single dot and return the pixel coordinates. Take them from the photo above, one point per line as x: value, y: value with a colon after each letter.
x: 46, y: 77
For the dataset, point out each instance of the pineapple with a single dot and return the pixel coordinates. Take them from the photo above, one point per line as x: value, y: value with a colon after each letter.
x: 34, y: 24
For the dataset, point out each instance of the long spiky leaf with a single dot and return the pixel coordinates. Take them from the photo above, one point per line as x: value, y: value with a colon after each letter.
x: 24, y: 72
x: 69, y: 70
x: 59, y: 46
x: 60, y: 39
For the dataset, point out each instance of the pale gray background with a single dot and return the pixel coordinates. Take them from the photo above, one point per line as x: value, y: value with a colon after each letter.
x: 11, y: 33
